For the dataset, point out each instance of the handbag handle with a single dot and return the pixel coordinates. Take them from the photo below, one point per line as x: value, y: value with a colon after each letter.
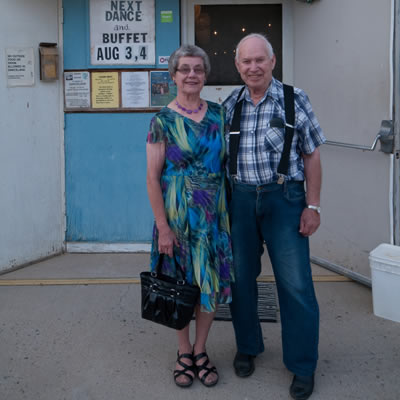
x: 179, y: 272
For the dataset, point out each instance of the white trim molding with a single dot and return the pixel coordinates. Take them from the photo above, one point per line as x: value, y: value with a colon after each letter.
x: 99, y: 247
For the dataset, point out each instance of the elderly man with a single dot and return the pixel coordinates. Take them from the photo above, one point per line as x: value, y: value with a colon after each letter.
x: 270, y: 206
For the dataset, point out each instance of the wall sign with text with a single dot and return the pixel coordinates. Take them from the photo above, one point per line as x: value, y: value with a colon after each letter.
x: 122, y: 32
x: 122, y: 90
x: 20, y: 62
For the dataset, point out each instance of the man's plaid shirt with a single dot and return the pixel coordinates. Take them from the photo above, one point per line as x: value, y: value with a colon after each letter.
x: 261, y: 146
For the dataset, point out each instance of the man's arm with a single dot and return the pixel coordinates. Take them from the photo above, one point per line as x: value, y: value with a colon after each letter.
x: 310, y: 219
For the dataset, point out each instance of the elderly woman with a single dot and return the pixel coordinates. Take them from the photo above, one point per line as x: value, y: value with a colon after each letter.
x: 185, y: 182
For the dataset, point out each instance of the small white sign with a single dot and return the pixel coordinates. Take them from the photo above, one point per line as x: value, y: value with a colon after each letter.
x: 20, y: 67
x: 162, y: 60
x: 77, y: 89
x: 135, y: 89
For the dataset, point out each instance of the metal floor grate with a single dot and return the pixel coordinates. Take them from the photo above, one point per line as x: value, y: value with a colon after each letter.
x: 267, y: 307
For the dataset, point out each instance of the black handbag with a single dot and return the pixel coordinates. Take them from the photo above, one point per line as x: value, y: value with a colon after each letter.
x: 168, y: 301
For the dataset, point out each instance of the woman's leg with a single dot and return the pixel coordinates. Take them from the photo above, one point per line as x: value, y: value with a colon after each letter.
x: 203, y: 325
x: 184, y: 347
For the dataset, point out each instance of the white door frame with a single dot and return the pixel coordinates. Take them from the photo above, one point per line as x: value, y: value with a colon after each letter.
x: 395, y: 234
x: 62, y: 115
x: 219, y: 93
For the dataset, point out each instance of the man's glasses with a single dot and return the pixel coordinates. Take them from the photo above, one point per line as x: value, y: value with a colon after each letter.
x: 186, y: 70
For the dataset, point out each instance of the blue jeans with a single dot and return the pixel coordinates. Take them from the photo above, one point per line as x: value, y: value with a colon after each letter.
x: 271, y: 214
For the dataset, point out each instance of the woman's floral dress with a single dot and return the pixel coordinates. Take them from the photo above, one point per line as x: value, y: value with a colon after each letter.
x: 193, y: 187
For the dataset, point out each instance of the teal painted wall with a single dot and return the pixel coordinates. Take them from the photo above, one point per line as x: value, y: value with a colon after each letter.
x: 105, y: 160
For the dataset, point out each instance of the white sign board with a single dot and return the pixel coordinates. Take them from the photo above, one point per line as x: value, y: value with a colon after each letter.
x: 20, y: 63
x: 135, y: 89
x: 122, y: 32
x: 77, y: 89
x: 163, y: 60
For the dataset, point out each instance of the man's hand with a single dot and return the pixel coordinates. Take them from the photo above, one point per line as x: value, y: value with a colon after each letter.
x: 309, y: 222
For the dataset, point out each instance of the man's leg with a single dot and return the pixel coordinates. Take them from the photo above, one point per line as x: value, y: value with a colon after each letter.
x: 289, y: 254
x: 247, y: 249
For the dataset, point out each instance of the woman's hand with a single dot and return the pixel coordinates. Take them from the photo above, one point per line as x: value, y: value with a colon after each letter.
x: 166, y: 240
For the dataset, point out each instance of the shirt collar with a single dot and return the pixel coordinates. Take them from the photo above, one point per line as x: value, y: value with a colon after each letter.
x: 275, y: 87
x: 272, y: 91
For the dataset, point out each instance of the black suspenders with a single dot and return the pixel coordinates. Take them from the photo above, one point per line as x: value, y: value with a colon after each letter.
x: 283, y: 167
x: 234, y: 134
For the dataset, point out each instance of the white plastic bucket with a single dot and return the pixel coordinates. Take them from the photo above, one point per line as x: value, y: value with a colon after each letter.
x: 385, y: 270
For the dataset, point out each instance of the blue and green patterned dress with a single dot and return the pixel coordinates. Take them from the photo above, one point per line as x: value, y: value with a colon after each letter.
x: 193, y: 188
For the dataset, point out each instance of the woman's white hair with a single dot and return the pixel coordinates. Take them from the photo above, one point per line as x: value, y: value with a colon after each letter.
x: 188, y: 50
x: 268, y: 45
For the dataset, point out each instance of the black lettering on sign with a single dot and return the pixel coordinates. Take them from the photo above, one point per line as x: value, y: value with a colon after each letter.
x: 143, y: 53
x: 100, y: 56
x: 115, y: 53
x: 128, y: 53
x: 123, y: 5
x: 107, y: 53
x: 124, y: 37
x: 124, y: 10
x: 121, y: 16
x: 121, y: 27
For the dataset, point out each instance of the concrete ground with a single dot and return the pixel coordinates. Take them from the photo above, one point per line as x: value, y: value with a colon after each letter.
x: 70, y: 329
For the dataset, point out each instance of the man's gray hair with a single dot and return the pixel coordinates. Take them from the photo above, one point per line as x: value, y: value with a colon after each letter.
x: 268, y: 45
x: 188, y: 50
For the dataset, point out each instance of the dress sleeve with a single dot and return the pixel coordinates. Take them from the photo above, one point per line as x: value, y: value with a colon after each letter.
x: 156, y: 132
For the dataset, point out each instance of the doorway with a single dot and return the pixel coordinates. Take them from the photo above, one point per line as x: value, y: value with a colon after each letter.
x: 217, y: 27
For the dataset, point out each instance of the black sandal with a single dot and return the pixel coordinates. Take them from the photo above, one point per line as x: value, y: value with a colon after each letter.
x: 184, y: 371
x: 204, y: 367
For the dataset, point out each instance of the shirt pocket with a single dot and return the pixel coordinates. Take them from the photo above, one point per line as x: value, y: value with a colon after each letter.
x: 274, y: 139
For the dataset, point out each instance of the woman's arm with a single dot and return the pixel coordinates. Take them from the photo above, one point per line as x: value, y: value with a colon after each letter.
x: 155, y: 164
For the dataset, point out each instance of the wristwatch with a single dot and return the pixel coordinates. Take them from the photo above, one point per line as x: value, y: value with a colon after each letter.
x: 315, y: 208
